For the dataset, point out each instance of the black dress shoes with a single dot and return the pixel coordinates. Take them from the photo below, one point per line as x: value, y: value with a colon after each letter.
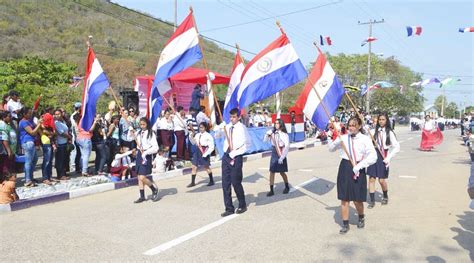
x: 241, y: 210
x: 227, y: 213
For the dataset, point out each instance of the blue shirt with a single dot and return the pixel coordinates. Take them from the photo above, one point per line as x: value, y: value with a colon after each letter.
x: 24, y: 135
x: 61, y: 130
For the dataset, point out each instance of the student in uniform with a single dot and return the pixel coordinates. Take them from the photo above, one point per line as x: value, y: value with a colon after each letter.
x: 278, y: 162
x: 387, y: 148
x: 202, y: 156
x: 232, y: 164
x: 351, y: 180
x: 147, y: 145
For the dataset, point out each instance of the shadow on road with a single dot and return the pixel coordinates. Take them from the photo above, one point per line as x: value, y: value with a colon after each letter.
x: 465, y: 234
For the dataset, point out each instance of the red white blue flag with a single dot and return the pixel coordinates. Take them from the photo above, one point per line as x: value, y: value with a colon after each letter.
x: 466, y: 29
x: 329, y: 88
x: 180, y: 52
x: 231, y: 97
x: 275, y: 68
x: 414, y: 30
x: 95, y: 83
x: 325, y: 40
x: 369, y: 39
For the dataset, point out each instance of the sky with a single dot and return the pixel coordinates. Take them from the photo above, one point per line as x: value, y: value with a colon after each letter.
x: 441, y: 51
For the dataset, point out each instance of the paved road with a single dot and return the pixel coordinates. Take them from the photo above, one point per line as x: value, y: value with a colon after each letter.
x: 427, y: 219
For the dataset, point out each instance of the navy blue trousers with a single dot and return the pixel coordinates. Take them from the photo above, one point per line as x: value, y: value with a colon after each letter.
x: 232, y: 176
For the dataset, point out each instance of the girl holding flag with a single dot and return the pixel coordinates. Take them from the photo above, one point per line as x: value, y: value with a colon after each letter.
x: 278, y: 162
x: 351, y: 179
x: 202, y: 155
x: 387, y: 148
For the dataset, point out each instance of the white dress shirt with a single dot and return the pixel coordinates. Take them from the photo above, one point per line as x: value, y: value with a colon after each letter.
x: 361, y: 149
x: 13, y: 106
x: 204, y: 140
x: 147, y: 145
x: 429, y: 125
x: 381, y: 139
x: 279, y: 139
x: 179, y: 123
x: 202, y: 117
x: 237, y: 135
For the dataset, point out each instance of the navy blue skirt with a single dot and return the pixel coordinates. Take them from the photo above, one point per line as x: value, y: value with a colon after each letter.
x: 275, y: 167
x: 378, y: 169
x: 143, y: 168
x: 198, y: 160
x: 349, y: 189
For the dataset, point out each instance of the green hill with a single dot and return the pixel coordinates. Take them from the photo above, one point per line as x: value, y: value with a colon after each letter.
x: 126, y: 42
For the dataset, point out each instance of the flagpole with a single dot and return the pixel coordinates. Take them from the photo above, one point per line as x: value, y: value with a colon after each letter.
x: 89, y: 45
x: 328, y: 115
x: 212, y: 88
x: 361, y: 117
x: 174, y: 111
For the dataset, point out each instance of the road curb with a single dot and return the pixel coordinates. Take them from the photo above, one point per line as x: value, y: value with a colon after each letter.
x: 100, y: 188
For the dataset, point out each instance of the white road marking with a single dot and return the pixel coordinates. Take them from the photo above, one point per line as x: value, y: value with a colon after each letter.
x: 407, y: 176
x: 303, y: 184
x: 263, y: 168
x: 305, y: 170
x: 165, y: 246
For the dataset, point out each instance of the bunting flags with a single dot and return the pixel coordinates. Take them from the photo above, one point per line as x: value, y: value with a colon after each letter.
x: 95, y: 83
x: 275, y: 68
x: 180, y: 52
x: 376, y: 85
x: 466, y: 29
x: 325, y: 41
x: 369, y: 39
x: 418, y: 83
x: 429, y: 81
x: 351, y: 88
x: 328, y: 87
x: 414, y: 30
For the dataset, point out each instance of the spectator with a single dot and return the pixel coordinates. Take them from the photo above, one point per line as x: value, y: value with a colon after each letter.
x: 7, y: 189
x: 62, y: 137
x: 121, y: 164
x: 166, y: 132
x: 113, y: 136
x: 192, y: 126
x: 202, y: 117
x: 4, y: 103
x: 46, y: 134
x: 75, y: 157
x: 125, y: 125
x: 14, y: 105
x: 99, y: 136
x: 28, y: 130
x: 8, y: 139
x: 259, y: 120
x: 196, y: 97
x: 85, y: 145
x: 293, y: 129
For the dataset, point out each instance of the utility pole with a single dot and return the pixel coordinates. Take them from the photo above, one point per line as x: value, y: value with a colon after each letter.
x: 367, y: 95
x: 175, y: 15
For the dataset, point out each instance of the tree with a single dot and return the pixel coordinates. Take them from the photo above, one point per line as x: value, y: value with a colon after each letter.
x: 352, y: 70
x: 33, y: 76
x: 451, y: 109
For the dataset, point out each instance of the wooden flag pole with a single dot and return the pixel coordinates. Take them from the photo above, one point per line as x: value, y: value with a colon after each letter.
x: 329, y: 116
x: 212, y: 88
x: 174, y: 111
x: 362, y: 118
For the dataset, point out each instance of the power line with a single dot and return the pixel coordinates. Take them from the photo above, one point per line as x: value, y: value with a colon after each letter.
x: 272, y: 17
x: 147, y: 27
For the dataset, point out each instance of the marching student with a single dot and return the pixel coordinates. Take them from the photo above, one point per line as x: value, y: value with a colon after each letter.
x: 147, y: 145
x: 232, y: 164
x: 388, y: 147
x: 351, y: 181
x: 202, y: 156
x: 278, y: 162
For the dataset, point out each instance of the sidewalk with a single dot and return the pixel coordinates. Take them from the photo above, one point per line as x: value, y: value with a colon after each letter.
x: 82, y: 186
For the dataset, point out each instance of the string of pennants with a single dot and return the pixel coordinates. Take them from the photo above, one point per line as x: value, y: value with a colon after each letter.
x: 411, y: 32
